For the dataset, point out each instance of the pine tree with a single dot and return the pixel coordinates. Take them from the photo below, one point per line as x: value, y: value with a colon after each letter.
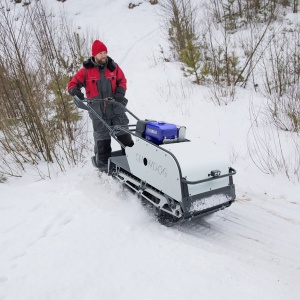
x: 190, y: 56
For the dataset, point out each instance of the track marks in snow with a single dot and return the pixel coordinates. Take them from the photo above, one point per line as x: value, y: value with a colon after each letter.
x: 250, y: 238
x: 276, y: 214
x: 248, y: 230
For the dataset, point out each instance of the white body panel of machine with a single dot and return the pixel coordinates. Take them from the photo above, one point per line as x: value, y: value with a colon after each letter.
x: 159, y: 168
x: 197, y: 159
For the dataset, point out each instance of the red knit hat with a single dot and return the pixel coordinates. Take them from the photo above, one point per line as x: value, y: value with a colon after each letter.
x: 98, y: 47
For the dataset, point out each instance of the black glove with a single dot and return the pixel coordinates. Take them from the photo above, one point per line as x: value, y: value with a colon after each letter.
x: 121, y: 99
x: 119, y: 96
x: 76, y: 92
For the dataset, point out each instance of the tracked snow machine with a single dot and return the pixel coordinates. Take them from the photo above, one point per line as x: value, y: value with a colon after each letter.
x: 168, y: 172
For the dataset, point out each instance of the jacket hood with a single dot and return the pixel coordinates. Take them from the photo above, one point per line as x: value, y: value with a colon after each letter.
x: 90, y: 63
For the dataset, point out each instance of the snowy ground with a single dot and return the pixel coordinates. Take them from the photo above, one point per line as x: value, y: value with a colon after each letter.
x: 82, y: 236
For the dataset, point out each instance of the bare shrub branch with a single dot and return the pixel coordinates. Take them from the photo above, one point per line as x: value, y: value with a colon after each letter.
x: 273, y: 151
x: 39, y: 121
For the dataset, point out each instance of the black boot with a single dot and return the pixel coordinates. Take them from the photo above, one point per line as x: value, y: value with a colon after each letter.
x: 102, y: 165
x: 104, y: 152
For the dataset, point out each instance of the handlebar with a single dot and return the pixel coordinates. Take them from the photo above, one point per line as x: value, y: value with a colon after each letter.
x: 232, y: 171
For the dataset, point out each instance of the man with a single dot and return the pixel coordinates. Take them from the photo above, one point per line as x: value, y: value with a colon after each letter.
x: 102, y: 78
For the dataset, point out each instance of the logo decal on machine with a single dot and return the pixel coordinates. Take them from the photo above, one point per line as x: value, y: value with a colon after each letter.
x: 152, y: 165
x: 150, y: 130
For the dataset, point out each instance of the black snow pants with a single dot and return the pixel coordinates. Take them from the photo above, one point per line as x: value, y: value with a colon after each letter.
x: 112, y: 115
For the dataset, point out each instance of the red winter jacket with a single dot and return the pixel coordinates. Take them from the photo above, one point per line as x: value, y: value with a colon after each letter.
x: 96, y: 85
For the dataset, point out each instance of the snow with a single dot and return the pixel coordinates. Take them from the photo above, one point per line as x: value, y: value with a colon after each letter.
x: 208, y: 202
x: 80, y: 235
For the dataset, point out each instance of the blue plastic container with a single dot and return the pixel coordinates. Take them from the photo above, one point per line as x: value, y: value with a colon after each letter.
x: 156, y: 132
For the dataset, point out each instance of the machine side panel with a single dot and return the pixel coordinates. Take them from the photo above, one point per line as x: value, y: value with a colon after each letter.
x: 156, y: 167
x: 197, y: 160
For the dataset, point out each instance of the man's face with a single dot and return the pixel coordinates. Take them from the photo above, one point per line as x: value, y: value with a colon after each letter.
x: 100, y: 58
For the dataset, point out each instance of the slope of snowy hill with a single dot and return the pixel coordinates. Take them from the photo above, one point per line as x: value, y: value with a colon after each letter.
x: 82, y: 236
